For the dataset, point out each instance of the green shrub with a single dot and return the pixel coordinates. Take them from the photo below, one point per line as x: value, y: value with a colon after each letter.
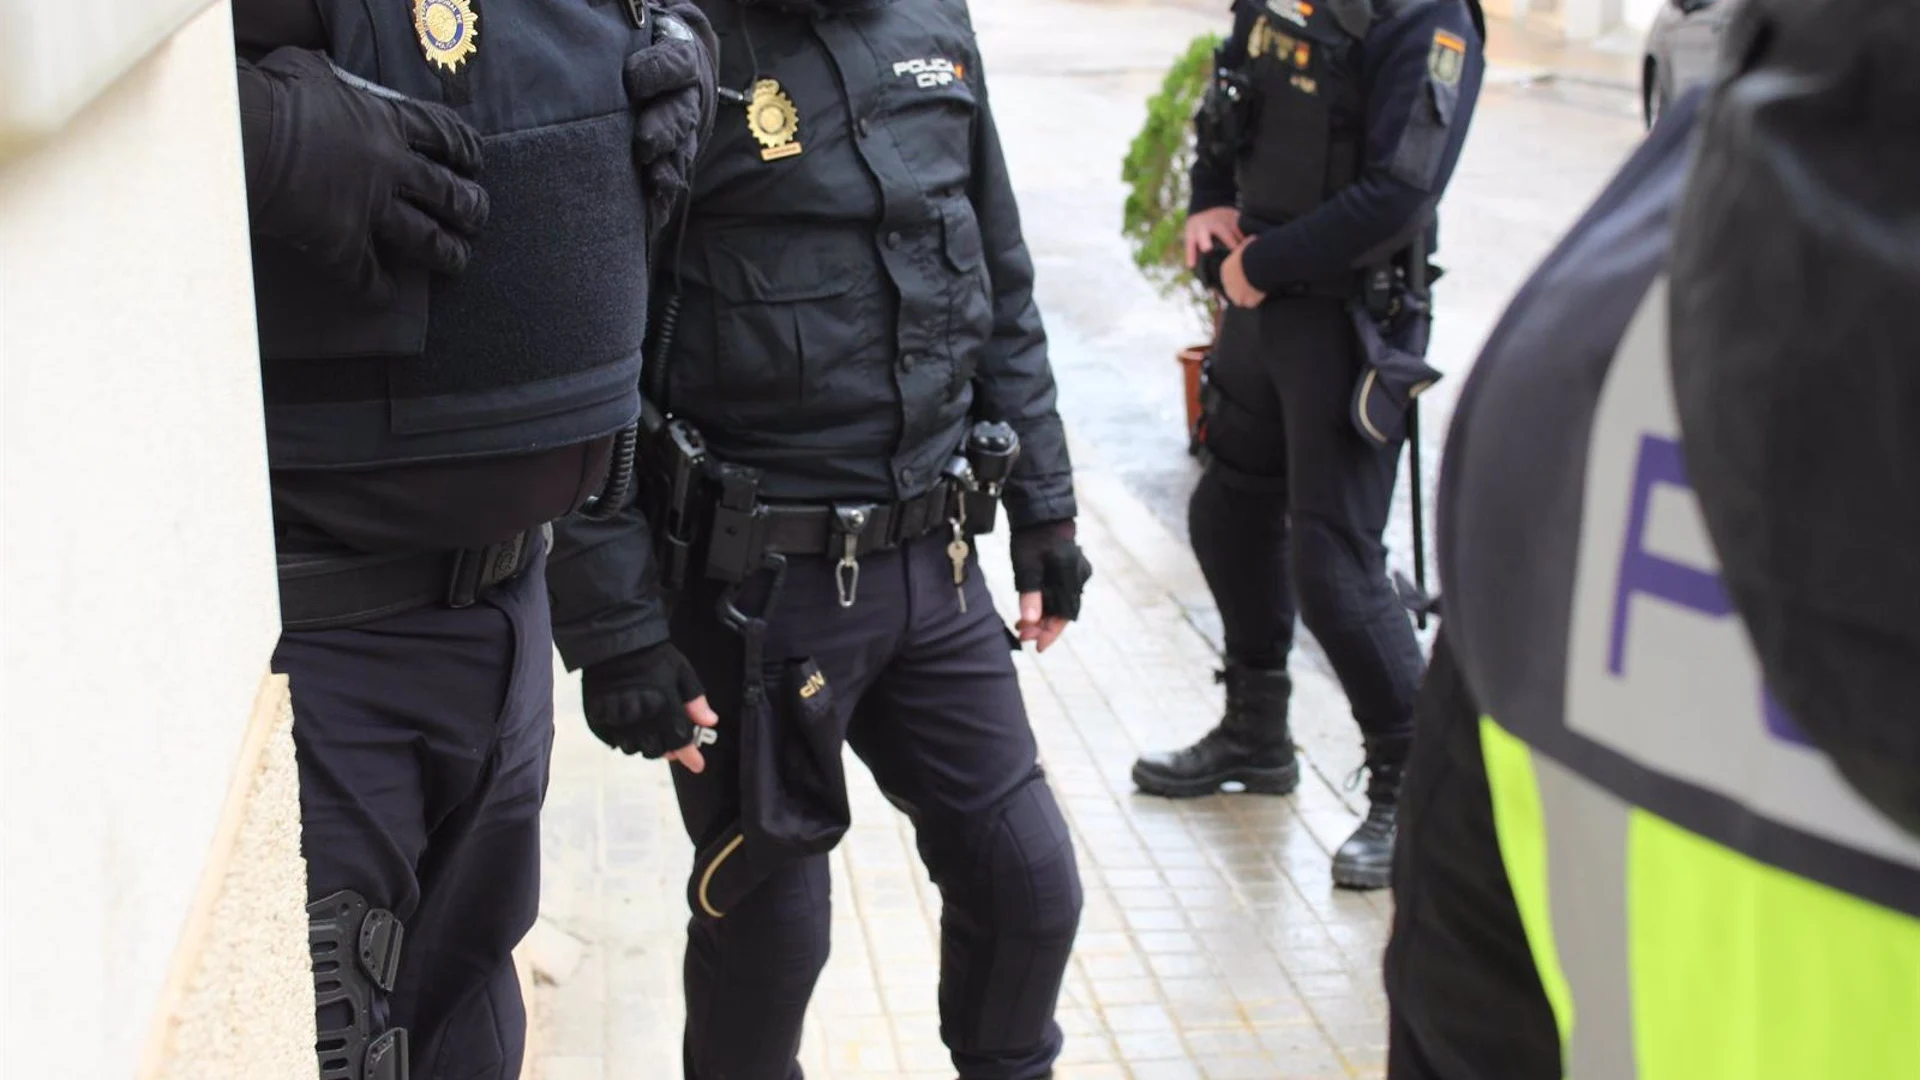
x: 1154, y: 221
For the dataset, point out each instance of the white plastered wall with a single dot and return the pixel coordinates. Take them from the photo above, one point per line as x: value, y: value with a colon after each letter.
x: 140, y: 748
x: 1580, y: 20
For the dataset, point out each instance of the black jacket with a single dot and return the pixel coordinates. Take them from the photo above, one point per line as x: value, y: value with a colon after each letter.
x: 849, y: 307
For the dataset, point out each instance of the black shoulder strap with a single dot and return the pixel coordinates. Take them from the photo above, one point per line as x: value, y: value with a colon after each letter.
x: 1382, y: 10
x: 1356, y: 17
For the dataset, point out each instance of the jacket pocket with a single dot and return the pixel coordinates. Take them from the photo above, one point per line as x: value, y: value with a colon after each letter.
x: 783, y: 307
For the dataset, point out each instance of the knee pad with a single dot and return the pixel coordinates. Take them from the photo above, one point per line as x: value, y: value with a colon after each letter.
x: 1027, y: 853
x: 1336, y: 575
x: 1230, y: 510
x: 355, y: 949
x: 1012, y: 909
x: 1249, y: 444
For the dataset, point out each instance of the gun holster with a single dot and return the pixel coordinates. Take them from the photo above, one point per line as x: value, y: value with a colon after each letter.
x: 675, y: 458
x: 1392, y: 319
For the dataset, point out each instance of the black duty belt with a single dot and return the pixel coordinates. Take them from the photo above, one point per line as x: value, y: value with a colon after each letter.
x: 326, y: 592
x: 825, y: 530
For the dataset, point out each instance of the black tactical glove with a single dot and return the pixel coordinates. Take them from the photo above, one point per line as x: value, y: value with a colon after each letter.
x: 671, y: 86
x: 637, y: 702
x: 358, y: 182
x: 1047, y: 561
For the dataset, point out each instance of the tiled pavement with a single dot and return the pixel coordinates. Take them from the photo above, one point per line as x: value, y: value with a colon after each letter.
x: 1212, y: 943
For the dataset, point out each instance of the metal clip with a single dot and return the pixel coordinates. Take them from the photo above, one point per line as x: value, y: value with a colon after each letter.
x: 637, y: 12
x: 847, y: 574
x: 853, y: 521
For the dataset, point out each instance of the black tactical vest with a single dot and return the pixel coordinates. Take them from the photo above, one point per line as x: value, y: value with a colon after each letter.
x: 1309, y: 127
x: 538, y: 343
x: 836, y: 296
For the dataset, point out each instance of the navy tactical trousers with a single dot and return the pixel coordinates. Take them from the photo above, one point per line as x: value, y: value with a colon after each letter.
x: 1463, y: 993
x: 423, y: 741
x: 927, y: 697
x: 1289, y: 515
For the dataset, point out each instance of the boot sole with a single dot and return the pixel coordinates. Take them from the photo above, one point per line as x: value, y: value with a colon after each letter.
x: 1280, y: 780
x: 1362, y: 877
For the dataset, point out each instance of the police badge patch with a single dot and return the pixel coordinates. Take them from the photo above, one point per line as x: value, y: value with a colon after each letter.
x: 1447, y: 58
x: 449, y: 31
x: 774, y: 121
x: 1260, y: 38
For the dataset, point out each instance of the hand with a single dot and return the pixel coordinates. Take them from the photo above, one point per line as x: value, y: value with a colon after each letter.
x: 1218, y: 225
x: 1051, y: 572
x: 671, y: 86
x: 1233, y: 277
x: 649, y: 702
x: 361, y: 183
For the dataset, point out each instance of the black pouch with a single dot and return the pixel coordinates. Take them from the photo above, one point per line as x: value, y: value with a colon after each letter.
x: 1393, y: 370
x: 793, y: 790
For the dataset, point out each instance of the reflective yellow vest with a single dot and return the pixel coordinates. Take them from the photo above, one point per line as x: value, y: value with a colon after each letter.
x: 1704, y: 896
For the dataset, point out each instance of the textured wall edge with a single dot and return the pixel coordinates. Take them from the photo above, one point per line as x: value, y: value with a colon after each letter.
x: 237, y: 1001
x: 37, y: 121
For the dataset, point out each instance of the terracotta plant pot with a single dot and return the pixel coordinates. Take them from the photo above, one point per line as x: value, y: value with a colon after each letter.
x: 1192, y: 362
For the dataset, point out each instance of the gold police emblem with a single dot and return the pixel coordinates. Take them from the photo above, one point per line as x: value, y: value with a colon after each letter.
x: 1261, y: 40
x: 774, y: 121
x: 1447, y: 57
x: 449, y: 31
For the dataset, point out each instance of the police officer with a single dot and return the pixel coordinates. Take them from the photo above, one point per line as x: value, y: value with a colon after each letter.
x: 1664, y: 808
x: 447, y: 352
x: 856, y: 367
x: 1324, y: 147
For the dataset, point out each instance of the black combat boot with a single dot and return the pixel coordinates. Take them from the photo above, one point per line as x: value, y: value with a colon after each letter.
x: 1365, y: 861
x: 1252, y: 745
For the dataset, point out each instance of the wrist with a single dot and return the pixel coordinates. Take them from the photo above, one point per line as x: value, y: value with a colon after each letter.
x: 1254, y: 265
x: 625, y: 668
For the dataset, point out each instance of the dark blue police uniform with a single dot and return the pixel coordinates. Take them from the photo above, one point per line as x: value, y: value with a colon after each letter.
x: 1351, y: 119
x: 445, y: 366
x: 853, y: 299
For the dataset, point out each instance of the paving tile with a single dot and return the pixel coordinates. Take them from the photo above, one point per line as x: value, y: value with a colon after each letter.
x: 572, y: 1068
x: 1181, y: 1069
x: 1149, y: 1045
x: 1208, y: 1014
x: 1125, y: 992
x: 1151, y: 1017
x: 1224, y: 1042
x: 1243, y: 1067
